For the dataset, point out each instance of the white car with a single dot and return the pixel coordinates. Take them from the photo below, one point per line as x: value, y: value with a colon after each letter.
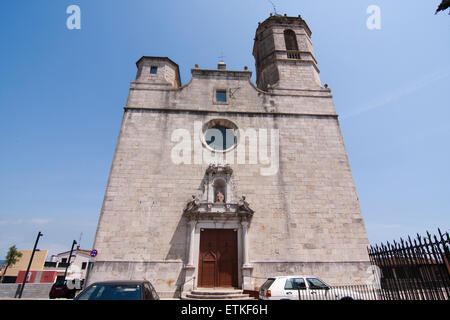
x: 303, y: 288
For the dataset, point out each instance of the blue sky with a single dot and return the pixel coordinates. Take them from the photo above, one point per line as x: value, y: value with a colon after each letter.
x: 62, y: 94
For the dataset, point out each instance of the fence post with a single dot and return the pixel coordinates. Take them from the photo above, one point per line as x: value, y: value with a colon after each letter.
x: 413, y: 270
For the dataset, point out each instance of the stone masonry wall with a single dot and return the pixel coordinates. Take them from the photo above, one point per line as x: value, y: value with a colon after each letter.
x: 307, y: 216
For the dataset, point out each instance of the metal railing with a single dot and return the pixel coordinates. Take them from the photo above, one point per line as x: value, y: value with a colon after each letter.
x: 293, y: 54
x: 416, y: 269
x: 350, y: 292
x: 342, y: 292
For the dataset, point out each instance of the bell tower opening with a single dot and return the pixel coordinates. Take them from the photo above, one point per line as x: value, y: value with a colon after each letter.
x: 284, y: 55
x: 290, y: 40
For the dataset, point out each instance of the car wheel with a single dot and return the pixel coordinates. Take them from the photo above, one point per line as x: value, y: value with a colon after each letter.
x: 347, y: 298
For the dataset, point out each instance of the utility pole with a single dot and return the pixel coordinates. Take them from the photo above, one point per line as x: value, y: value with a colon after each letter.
x: 29, y: 264
x: 70, y: 256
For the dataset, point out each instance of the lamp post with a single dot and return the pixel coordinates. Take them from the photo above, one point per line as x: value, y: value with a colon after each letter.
x: 29, y: 264
x: 70, y: 256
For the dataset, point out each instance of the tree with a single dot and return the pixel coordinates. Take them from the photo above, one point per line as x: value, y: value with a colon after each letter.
x: 11, y: 259
x: 445, y: 4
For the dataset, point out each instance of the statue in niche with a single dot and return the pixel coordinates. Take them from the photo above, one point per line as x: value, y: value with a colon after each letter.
x: 220, y: 197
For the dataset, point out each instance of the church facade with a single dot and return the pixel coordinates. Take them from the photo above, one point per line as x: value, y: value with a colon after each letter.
x: 221, y: 183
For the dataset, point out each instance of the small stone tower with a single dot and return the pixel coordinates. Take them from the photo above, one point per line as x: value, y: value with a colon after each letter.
x: 158, y: 71
x: 284, y: 55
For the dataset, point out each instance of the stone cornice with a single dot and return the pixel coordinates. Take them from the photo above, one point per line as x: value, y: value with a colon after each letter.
x: 269, y: 114
x: 293, y: 92
x: 286, y: 21
x: 221, y: 73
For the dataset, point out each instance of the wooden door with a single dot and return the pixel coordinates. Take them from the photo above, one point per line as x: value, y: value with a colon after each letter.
x: 207, y: 272
x: 218, y: 258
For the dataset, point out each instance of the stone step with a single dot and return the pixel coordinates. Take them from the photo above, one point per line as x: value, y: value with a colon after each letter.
x: 209, y: 297
x: 216, y: 294
x: 218, y: 297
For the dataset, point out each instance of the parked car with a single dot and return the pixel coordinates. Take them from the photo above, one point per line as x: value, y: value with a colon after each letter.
x: 119, y: 290
x: 303, y: 288
x: 61, y: 289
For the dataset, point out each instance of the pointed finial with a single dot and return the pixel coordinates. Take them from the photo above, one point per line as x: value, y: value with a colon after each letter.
x: 274, y: 8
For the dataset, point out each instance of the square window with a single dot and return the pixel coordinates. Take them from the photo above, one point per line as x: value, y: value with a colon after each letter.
x: 221, y: 96
x: 153, y: 70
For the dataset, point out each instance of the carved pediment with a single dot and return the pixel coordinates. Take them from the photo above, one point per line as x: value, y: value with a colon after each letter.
x: 218, y: 197
x: 197, y: 207
x: 209, y: 209
x: 219, y: 169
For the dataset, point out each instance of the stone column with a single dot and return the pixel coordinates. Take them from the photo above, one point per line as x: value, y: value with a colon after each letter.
x: 245, y: 242
x: 192, y: 224
x: 247, y: 268
x: 190, y: 282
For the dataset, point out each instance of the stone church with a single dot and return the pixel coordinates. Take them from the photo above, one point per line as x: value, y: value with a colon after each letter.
x: 222, y: 183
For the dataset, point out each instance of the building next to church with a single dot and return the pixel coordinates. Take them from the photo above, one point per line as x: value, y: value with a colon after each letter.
x: 12, y: 272
x: 221, y: 183
x: 76, y: 270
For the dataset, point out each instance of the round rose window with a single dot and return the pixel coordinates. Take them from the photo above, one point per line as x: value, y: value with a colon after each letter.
x: 220, y: 135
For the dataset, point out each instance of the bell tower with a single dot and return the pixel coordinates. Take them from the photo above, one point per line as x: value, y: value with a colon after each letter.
x: 284, y: 55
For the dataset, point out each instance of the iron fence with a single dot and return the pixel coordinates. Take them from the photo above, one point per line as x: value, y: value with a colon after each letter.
x: 413, y: 269
x: 349, y: 292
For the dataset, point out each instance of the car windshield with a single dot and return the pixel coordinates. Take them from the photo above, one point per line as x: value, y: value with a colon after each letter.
x: 60, y: 283
x: 316, y: 284
x: 111, y: 292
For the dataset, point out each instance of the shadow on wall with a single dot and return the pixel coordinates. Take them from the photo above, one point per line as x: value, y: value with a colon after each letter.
x: 179, y: 242
x: 179, y: 284
x: 178, y: 251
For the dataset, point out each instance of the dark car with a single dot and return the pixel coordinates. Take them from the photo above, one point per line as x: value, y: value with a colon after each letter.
x: 119, y: 290
x: 60, y: 289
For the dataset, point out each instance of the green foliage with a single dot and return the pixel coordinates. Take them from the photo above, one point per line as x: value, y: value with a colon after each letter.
x: 11, y: 258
